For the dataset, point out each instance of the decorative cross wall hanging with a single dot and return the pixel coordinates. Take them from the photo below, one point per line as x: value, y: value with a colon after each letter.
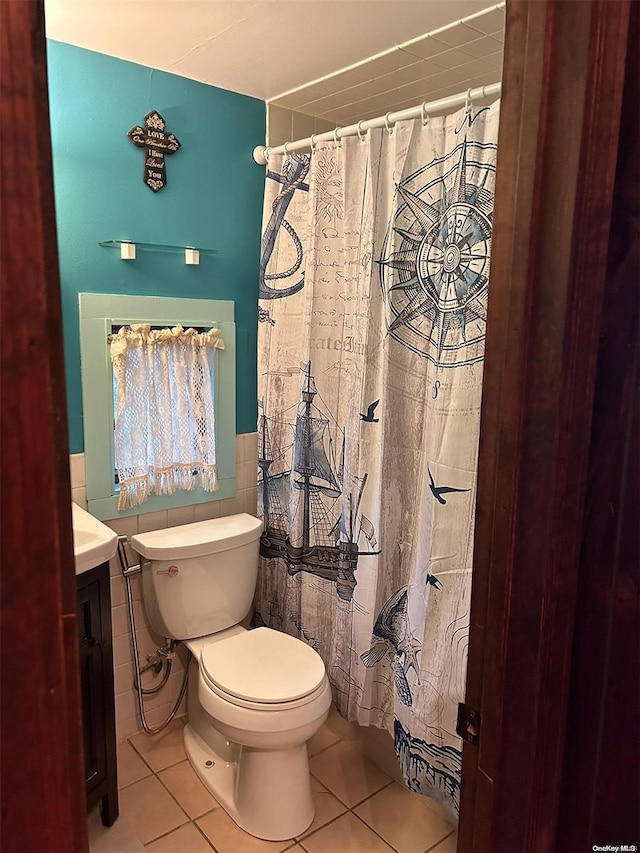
x: 158, y: 143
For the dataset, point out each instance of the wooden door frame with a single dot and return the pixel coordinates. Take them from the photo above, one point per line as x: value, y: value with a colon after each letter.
x: 43, y: 798
x: 563, y: 80
x: 564, y: 67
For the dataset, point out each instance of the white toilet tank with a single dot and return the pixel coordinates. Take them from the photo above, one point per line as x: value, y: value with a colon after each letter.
x: 200, y: 578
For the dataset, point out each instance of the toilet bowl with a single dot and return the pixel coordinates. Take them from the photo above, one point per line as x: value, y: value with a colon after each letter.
x: 263, y: 783
x: 255, y: 697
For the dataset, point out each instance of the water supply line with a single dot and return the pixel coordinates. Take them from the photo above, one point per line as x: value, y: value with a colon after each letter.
x: 157, y: 662
x: 165, y: 653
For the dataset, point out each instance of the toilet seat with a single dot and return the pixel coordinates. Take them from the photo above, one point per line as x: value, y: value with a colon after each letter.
x: 263, y: 669
x: 262, y: 706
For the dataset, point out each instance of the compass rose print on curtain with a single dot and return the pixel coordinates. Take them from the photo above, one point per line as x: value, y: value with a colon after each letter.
x: 375, y: 265
x: 437, y: 278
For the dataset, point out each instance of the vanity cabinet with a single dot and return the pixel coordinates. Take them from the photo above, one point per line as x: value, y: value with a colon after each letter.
x: 97, y: 691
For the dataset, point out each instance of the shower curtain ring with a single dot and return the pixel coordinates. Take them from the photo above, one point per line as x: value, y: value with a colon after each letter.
x: 388, y: 124
x: 424, y: 114
x: 286, y: 148
x: 467, y: 101
x: 336, y: 138
x: 362, y: 137
x: 313, y: 143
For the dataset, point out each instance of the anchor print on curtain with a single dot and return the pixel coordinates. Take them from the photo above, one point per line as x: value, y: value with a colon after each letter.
x: 374, y: 286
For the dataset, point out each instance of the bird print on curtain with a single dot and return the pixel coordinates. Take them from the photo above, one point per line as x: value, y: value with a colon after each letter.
x: 374, y: 288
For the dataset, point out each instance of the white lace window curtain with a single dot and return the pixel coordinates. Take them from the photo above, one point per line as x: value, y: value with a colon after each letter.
x: 165, y: 424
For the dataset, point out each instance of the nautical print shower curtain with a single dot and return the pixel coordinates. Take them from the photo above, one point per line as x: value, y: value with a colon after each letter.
x: 373, y: 299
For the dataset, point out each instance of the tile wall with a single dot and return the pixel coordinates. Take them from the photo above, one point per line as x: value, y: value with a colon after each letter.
x: 466, y: 54
x: 374, y: 744
x: 157, y: 707
x: 285, y: 125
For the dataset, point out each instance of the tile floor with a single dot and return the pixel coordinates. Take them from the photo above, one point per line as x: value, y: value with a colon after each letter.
x: 359, y: 809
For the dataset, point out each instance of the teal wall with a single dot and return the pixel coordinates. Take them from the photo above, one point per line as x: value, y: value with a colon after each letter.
x: 213, y: 199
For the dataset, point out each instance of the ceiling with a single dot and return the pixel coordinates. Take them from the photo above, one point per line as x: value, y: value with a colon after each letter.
x: 266, y: 48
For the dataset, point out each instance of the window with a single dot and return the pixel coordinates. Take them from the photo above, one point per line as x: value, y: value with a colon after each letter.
x: 99, y: 313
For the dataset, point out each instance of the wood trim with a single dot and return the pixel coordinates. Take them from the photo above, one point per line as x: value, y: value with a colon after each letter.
x: 563, y: 79
x: 601, y: 783
x: 525, y: 27
x: 42, y: 785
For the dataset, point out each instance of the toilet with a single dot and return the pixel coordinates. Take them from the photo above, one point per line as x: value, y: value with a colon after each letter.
x: 255, y: 697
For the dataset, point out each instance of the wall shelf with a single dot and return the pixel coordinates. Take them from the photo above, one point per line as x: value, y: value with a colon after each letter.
x: 128, y: 249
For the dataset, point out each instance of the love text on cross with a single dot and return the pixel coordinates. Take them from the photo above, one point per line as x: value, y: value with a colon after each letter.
x: 157, y: 143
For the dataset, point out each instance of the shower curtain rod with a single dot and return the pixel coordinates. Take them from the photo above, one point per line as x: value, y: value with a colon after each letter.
x: 261, y: 153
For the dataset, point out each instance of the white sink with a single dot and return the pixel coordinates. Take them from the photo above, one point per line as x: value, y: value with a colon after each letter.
x: 93, y: 542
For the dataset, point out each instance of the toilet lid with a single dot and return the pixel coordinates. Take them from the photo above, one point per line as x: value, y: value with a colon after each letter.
x: 263, y: 666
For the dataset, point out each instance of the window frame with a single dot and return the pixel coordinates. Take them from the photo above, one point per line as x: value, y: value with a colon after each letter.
x: 98, y: 313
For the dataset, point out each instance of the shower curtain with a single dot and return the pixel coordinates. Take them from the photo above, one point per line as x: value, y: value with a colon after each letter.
x: 373, y: 294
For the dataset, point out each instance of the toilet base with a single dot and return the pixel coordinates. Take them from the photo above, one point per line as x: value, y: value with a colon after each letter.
x: 266, y: 792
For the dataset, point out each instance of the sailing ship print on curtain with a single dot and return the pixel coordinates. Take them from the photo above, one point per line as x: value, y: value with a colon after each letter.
x: 374, y: 285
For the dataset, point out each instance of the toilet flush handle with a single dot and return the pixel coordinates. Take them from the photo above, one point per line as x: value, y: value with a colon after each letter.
x: 172, y: 571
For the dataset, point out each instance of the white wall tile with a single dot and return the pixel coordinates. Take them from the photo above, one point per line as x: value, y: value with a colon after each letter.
x: 158, y: 715
x: 114, y: 566
x: 168, y: 694
x: 152, y: 521
x: 125, y: 526
x: 490, y: 22
x: 339, y: 98
x: 180, y: 515
x: 247, y: 474
x: 126, y: 707
x: 79, y: 496
x: 495, y: 63
x: 203, y: 512
x: 251, y: 447
x: 480, y: 47
x: 76, y: 470
x: 309, y: 93
x: 303, y: 125
x: 182, y: 656
x: 126, y: 727
x: 148, y: 641
x: 460, y: 35
x: 426, y: 47
x: 124, y: 675
x: 157, y: 707
x: 450, y: 58
x: 239, y: 448
x: 279, y: 125
x: 122, y: 649
x: 250, y: 500
x: 481, y: 68
x: 120, y: 618
x: 322, y: 126
x: 232, y: 506
x: 119, y: 591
